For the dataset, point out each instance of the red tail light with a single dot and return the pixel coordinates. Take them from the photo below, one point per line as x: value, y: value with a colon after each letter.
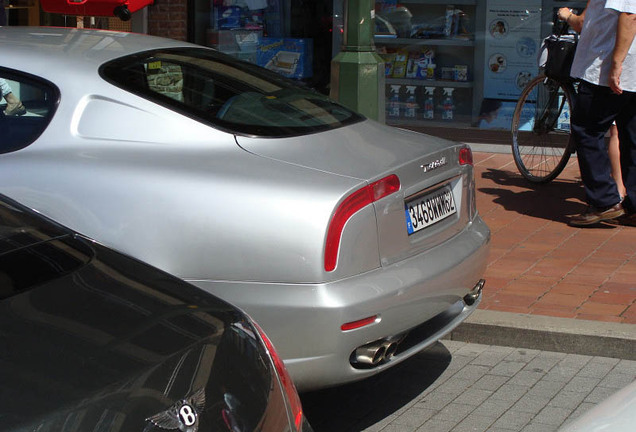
x: 285, y: 378
x: 349, y: 207
x: 465, y: 156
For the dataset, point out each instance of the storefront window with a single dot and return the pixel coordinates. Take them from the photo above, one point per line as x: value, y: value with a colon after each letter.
x: 429, y: 53
x: 290, y: 37
x: 461, y: 65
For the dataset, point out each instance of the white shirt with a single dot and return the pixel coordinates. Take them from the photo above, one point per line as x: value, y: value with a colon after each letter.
x: 593, y: 59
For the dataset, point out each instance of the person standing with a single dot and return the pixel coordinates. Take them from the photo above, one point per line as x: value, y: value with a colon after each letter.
x: 605, y: 64
x: 576, y: 23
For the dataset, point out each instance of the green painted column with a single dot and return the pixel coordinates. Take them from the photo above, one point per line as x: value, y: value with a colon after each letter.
x: 357, y: 72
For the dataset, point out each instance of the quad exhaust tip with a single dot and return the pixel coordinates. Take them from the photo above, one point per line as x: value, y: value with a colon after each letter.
x: 474, y: 293
x: 374, y: 353
x: 370, y: 354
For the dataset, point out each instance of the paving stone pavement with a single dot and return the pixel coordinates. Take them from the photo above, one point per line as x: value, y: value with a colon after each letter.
x: 459, y: 386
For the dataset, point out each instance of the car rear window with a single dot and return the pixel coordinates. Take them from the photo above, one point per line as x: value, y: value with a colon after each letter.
x: 235, y: 96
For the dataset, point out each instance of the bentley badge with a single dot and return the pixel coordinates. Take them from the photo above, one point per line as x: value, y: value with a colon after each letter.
x: 183, y: 415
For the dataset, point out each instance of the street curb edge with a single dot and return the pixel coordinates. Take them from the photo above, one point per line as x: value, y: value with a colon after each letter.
x: 573, y: 336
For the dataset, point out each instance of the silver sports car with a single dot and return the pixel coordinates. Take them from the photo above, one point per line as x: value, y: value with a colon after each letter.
x: 353, y: 244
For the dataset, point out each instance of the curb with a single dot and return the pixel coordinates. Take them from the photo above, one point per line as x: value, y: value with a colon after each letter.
x: 566, y: 335
x: 494, y: 148
x: 490, y: 148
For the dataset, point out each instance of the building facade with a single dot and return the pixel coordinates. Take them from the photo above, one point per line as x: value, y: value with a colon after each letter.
x: 454, y: 70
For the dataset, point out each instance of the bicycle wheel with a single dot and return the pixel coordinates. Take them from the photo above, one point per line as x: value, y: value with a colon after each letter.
x: 541, y: 129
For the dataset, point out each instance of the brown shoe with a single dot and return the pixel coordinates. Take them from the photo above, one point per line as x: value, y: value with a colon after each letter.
x: 594, y: 215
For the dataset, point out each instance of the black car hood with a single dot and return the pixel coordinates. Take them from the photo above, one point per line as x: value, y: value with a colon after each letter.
x: 93, y: 340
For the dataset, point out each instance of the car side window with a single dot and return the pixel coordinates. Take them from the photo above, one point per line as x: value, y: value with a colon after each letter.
x: 234, y: 96
x: 26, y: 107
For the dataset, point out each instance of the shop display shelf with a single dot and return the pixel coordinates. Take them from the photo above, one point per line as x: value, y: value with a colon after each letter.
x: 383, y: 40
x: 429, y: 83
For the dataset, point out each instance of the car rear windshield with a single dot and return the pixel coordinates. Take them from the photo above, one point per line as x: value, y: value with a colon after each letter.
x: 232, y: 95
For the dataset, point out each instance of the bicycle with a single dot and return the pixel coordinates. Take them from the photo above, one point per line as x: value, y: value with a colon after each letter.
x: 541, y: 145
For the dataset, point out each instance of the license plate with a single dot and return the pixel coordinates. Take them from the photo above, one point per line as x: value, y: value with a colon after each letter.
x: 428, y: 209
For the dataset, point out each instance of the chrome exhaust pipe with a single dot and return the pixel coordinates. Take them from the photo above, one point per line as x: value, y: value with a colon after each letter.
x: 374, y: 353
x: 390, y: 349
x: 370, y: 354
x: 391, y: 345
x: 474, y: 294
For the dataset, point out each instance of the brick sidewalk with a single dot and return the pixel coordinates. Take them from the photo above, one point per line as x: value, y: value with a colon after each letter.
x: 540, y: 265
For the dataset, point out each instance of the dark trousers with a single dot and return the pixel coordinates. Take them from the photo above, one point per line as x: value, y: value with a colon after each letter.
x: 595, y: 109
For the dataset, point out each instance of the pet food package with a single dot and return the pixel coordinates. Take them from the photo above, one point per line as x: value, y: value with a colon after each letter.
x: 289, y: 57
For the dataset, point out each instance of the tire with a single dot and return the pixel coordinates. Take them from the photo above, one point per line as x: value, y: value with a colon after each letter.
x: 541, y: 145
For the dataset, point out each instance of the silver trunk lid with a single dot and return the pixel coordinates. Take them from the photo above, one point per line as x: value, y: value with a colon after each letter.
x: 369, y: 151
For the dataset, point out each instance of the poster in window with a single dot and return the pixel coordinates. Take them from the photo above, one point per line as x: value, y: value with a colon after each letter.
x: 512, y: 40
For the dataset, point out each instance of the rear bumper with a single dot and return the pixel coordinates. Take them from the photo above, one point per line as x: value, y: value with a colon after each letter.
x: 424, y: 293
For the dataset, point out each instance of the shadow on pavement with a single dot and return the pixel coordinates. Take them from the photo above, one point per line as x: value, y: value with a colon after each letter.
x: 552, y: 201
x: 355, y: 407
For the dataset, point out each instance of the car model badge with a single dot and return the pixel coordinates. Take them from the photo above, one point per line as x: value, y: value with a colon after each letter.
x: 434, y: 164
x: 183, y: 415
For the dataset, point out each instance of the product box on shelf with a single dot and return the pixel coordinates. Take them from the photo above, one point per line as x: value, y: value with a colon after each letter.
x: 456, y: 73
x: 388, y: 63
x: 411, y: 65
x: 461, y: 73
x: 399, y: 64
x: 426, y: 64
x: 231, y: 41
x: 228, y: 17
x: 290, y: 57
x: 383, y: 5
x: 447, y: 74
